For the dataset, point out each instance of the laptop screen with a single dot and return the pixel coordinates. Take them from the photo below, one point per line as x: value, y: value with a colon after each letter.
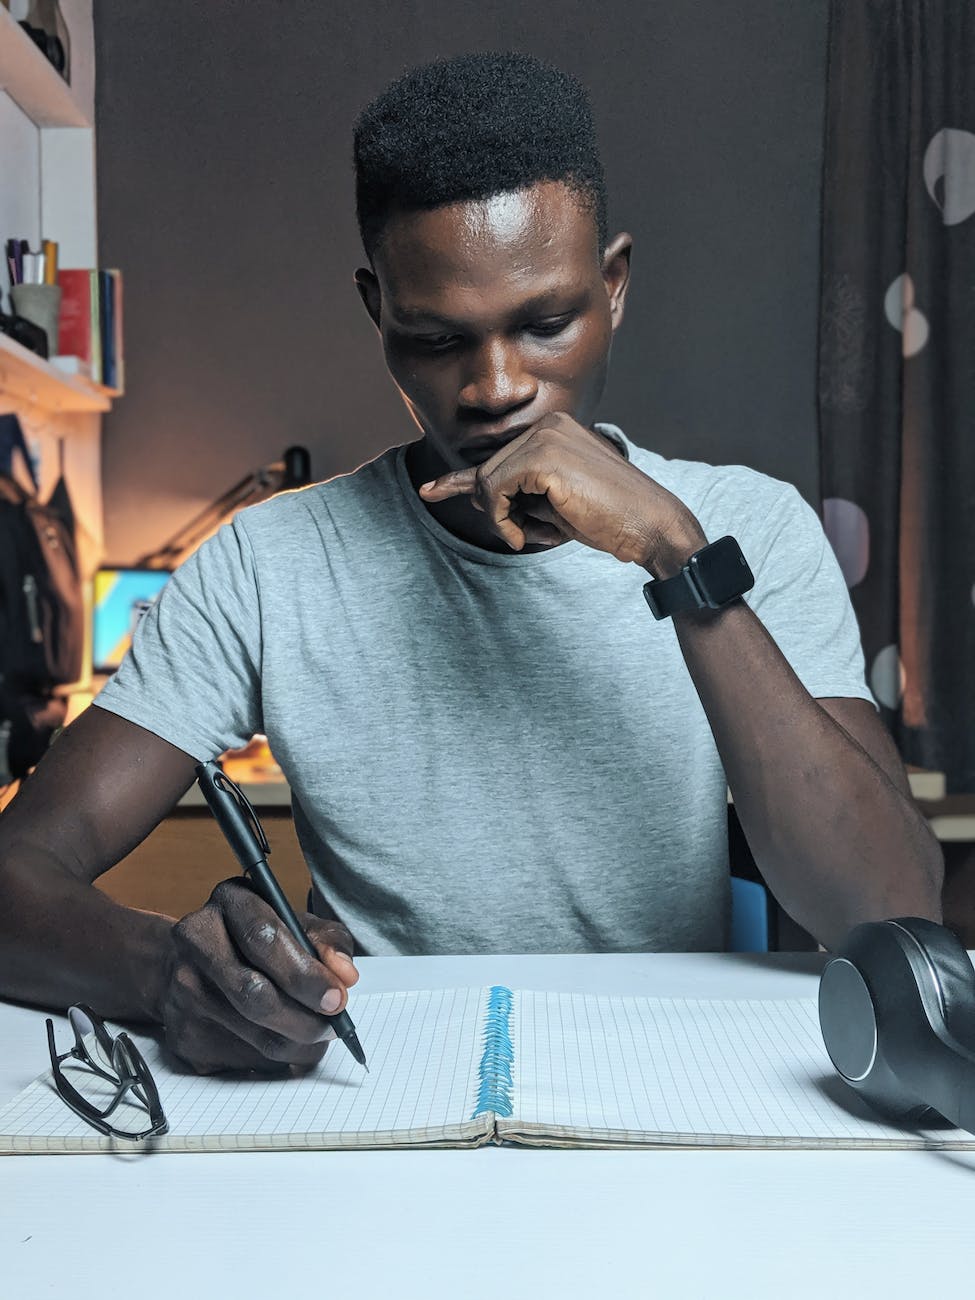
x: 121, y: 597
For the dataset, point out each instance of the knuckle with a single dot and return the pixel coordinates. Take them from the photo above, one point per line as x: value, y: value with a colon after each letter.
x: 225, y: 893
x: 255, y: 995
x: 258, y: 935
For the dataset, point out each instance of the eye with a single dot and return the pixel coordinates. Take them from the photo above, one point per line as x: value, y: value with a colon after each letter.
x: 548, y: 328
x: 435, y: 342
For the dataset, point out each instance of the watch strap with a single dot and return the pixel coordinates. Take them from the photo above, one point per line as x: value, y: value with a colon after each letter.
x: 715, y: 576
x: 667, y: 596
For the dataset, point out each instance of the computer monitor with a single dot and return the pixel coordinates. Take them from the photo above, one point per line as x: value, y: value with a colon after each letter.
x: 121, y: 597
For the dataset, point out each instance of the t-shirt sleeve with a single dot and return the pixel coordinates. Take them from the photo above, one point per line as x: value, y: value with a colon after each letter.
x: 193, y: 673
x: 801, y: 597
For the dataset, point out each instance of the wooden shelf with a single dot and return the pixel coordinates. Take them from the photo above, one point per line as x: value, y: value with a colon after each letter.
x: 29, y: 378
x: 32, y: 83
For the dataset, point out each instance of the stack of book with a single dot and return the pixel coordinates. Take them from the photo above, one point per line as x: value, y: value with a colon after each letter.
x: 90, y: 326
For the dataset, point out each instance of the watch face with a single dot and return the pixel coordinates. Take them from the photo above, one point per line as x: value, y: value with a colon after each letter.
x: 721, y: 572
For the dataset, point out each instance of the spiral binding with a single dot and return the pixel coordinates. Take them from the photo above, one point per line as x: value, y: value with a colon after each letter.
x: 494, y: 1092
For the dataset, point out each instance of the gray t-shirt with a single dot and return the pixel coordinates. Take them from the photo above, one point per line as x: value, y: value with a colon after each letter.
x: 487, y: 752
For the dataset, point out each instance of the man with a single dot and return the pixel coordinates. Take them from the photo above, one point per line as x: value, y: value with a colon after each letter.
x: 491, y: 743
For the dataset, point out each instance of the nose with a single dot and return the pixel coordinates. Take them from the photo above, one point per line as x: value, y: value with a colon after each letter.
x: 496, y: 381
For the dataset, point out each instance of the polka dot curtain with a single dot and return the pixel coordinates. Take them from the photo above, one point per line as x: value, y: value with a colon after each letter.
x: 897, y: 360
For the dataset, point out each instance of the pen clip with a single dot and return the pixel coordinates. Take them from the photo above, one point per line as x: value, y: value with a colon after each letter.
x: 223, y: 782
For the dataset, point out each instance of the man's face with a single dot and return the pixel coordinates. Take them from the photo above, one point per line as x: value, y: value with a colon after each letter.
x: 494, y: 313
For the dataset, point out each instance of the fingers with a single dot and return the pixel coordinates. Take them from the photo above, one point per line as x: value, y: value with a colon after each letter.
x: 242, y: 990
x: 541, y: 534
x: 334, y: 946
x: 540, y: 522
x: 206, y: 1032
x: 264, y: 942
x: 520, y: 516
x: 598, y: 497
x: 455, y: 483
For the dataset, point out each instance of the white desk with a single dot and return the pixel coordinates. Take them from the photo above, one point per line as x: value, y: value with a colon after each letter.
x: 493, y: 1222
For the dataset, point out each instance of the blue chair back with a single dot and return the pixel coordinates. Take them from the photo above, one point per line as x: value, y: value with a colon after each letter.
x: 749, y: 916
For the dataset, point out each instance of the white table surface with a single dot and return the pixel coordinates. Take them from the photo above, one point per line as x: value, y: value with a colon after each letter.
x: 492, y: 1222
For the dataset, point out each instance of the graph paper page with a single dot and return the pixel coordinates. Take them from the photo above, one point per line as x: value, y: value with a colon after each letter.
x: 744, y: 1068
x: 423, y: 1050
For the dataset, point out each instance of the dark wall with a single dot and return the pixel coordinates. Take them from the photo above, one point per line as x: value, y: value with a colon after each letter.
x: 225, y: 194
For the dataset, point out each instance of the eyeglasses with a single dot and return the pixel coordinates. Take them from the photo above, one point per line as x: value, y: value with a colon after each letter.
x: 119, y: 1063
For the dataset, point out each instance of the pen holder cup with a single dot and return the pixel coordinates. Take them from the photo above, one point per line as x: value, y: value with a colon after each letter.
x: 41, y: 305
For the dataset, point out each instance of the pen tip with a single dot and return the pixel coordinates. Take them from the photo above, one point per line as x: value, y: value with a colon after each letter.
x: 355, y: 1047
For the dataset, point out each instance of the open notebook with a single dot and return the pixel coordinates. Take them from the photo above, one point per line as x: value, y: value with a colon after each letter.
x: 462, y: 1067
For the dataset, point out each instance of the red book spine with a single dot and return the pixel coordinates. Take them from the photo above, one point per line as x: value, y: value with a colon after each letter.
x: 74, y: 319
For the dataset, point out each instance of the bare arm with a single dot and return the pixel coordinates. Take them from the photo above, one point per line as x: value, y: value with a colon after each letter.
x: 228, y: 982
x: 818, y: 785
x: 97, y: 793
x: 820, y: 791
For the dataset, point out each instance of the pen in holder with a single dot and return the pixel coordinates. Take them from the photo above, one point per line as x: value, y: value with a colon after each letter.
x: 41, y: 305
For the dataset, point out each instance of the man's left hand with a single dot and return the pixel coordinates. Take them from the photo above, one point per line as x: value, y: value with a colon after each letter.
x: 558, y: 482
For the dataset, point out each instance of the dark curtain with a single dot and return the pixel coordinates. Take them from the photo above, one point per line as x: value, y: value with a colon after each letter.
x: 897, y: 360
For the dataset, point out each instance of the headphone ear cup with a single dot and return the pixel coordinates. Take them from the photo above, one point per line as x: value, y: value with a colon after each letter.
x: 954, y: 972
x: 872, y: 1012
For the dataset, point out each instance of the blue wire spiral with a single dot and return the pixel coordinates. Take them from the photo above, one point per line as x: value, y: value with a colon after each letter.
x: 494, y: 1091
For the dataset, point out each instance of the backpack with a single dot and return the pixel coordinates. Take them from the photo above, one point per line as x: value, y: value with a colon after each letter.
x: 41, y: 614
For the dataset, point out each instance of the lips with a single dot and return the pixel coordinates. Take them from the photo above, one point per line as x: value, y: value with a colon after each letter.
x: 495, y: 441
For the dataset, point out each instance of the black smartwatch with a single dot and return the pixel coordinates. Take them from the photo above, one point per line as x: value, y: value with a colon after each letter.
x: 712, y: 578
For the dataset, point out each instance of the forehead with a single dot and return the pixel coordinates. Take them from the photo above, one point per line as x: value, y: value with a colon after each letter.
x: 524, y: 240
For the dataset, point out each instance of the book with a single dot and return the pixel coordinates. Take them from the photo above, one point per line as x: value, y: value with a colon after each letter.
x: 79, y: 319
x: 118, y: 346
x: 110, y: 311
x: 106, y: 312
x: 465, y: 1067
x: 74, y: 318
x: 95, y: 329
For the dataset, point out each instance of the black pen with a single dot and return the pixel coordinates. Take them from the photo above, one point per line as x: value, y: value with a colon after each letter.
x: 245, y: 835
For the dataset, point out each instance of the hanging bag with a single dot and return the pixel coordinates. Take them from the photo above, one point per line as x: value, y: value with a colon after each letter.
x: 41, y: 610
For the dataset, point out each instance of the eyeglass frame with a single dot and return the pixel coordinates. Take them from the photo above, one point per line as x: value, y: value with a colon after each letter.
x: 132, y: 1074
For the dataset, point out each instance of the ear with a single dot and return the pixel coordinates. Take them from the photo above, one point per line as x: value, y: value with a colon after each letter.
x: 616, y: 274
x: 369, y: 292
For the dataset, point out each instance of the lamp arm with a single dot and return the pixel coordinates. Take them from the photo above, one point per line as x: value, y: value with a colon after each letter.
x: 292, y: 470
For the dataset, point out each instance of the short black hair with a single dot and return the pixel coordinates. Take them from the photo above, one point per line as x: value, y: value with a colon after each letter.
x: 470, y: 127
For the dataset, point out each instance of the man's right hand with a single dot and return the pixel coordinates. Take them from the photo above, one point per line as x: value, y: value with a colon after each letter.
x: 242, y: 994
x: 230, y: 984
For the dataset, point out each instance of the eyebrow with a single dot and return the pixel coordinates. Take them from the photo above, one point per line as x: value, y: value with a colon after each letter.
x: 540, y: 302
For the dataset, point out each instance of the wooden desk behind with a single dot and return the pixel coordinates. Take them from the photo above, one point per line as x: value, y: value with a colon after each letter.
x: 175, y: 868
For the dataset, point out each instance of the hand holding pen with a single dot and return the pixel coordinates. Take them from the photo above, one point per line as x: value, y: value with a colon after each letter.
x: 239, y: 993
x: 239, y: 823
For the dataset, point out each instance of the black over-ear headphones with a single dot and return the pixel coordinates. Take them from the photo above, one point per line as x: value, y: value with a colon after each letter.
x: 897, y: 1011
